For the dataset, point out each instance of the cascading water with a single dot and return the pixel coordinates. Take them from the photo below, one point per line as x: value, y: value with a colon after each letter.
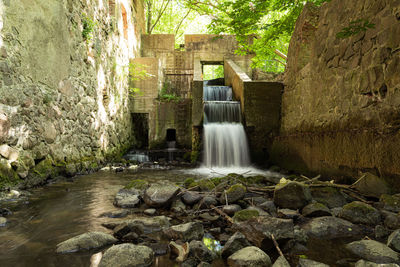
x: 225, y: 143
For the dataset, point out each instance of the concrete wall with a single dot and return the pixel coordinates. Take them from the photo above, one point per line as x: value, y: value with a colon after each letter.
x: 261, y: 104
x: 341, y: 103
x: 63, y: 99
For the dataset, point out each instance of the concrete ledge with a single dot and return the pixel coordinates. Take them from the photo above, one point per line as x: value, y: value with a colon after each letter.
x: 197, y: 94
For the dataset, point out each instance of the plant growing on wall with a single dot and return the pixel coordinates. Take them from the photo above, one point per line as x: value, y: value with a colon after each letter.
x: 355, y: 27
x: 168, y: 93
x: 88, y: 28
x: 137, y: 72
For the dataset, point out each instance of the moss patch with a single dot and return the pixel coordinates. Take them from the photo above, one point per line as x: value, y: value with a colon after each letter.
x: 187, y: 183
x: 137, y: 184
x: 245, y: 215
x: 206, y: 185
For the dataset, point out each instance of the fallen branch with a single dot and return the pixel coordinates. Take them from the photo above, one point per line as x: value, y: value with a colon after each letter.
x: 276, y: 245
x: 223, y: 214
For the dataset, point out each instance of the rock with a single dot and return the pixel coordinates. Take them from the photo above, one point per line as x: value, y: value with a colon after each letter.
x: 160, y: 195
x: 391, y: 202
x: 336, y: 211
x: 115, y: 214
x: 207, y: 201
x: 374, y: 251
x: 381, y: 232
x: 269, y: 206
x: 244, y: 215
x: 394, y: 240
x: 190, y: 262
x: 49, y: 132
x: 142, y: 225
x: 178, y: 206
x: 300, y: 235
x: 310, y: 263
x: 249, y: 257
x: 127, y: 255
x: 392, y: 220
x: 292, y: 195
x: 364, y: 263
x: 137, y: 184
x: 231, y: 209
x: 204, y: 264
x: 181, y: 251
x: 150, y: 212
x: 329, y: 196
x: 200, y: 251
x: 5, y: 212
x: 288, y: 214
x: 258, y: 231
x: 127, y: 198
x: 208, y: 217
x: 5, y: 125
x: 281, y: 262
x: 359, y: 212
x: 261, y: 212
x: 372, y: 185
x: 316, y: 210
x: 8, y: 152
x: 234, y: 243
x: 158, y: 248
x: 185, y: 232
x: 3, y: 221
x: 130, y: 237
x: 86, y: 241
x: 191, y: 198
x: 233, y: 194
x: 256, y: 201
x: 330, y: 228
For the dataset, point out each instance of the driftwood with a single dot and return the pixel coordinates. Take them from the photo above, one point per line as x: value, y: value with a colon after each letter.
x: 276, y: 245
x: 223, y: 214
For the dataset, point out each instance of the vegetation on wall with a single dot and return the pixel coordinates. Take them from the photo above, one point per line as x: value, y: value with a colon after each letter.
x: 137, y: 72
x: 355, y: 27
x: 88, y: 25
x: 168, y: 92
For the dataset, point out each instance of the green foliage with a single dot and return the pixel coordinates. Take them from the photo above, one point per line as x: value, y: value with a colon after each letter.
x: 137, y: 72
x: 355, y: 27
x: 213, y: 72
x: 168, y: 93
x: 245, y: 215
x: 88, y: 28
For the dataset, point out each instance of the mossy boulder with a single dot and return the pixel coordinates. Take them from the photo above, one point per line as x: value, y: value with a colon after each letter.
x: 244, y: 215
x: 206, y: 185
x: 188, y: 182
x: 86, y: 241
x: 316, y: 210
x: 391, y: 202
x: 292, y: 195
x: 359, y: 212
x: 127, y: 255
x: 329, y: 196
x: 233, y: 194
x: 137, y: 184
x: 8, y: 176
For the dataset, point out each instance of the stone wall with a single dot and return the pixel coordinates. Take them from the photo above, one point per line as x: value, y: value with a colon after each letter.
x: 63, y: 92
x: 341, y: 103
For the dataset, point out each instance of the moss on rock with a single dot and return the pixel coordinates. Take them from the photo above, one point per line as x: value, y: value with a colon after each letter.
x: 244, y: 215
x: 137, y: 184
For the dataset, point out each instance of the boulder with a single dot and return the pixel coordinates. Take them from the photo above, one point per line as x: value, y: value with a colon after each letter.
x: 359, y: 212
x: 127, y: 198
x: 231, y: 209
x: 3, y: 221
x: 316, y: 210
x: 391, y: 202
x: 364, y: 263
x: 150, y: 212
x: 268, y: 206
x: 5, y: 125
x: 329, y: 196
x: 191, y: 198
x: 381, y: 232
x: 288, y: 214
x: 185, y: 232
x: 372, y: 185
x: 200, y: 251
x: 292, y: 195
x: 115, y: 214
x: 330, y: 228
x: 142, y: 225
x: 281, y: 262
x: 85, y: 241
x: 392, y: 220
x: 160, y: 195
x: 258, y: 231
x: 394, y: 240
x: 125, y: 255
x: 310, y: 263
x: 207, y: 201
x: 244, y: 215
x: 374, y: 251
x: 234, y: 243
x: 233, y: 194
x: 178, y: 206
x: 249, y: 257
x: 204, y: 264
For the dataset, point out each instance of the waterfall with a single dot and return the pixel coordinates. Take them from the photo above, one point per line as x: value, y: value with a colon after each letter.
x: 225, y: 142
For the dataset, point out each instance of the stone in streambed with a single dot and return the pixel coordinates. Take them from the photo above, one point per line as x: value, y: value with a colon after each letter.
x: 191, y: 198
x: 127, y: 198
x: 3, y: 221
x: 329, y: 196
x: 185, y: 232
x: 200, y: 251
x: 234, y: 243
x: 330, y: 228
x: 85, y: 241
x: 292, y: 195
x: 160, y: 195
x: 359, y: 212
x: 141, y: 225
x: 364, y: 263
x: 231, y: 209
x: 316, y: 210
x: 394, y: 240
x: 127, y: 255
x: 374, y: 251
x: 249, y: 257
x: 310, y: 263
x: 281, y: 262
x: 233, y: 194
x: 390, y: 202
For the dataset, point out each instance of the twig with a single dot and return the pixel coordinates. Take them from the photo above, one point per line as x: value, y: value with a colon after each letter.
x: 356, y: 182
x: 223, y: 214
x: 226, y: 198
x: 276, y: 245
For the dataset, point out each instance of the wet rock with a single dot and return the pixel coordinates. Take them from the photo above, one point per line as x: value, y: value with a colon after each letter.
x: 190, y: 262
x: 392, y: 220
x: 115, y: 214
x: 372, y: 185
x: 288, y: 214
x: 138, y: 184
x: 269, y: 206
x: 178, y: 206
x: 292, y: 195
x: 231, y: 209
x: 159, y: 248
x: 3, y: 221
x: 359, y: 212
x: 5, y: 212
x: 204, y: 264
x: 130, y: 237
x: 110, y: 225
x: 144, y: 225
x: 394, y: 240
x: 160, y: 195
x: 216, y: 230
x: 150, y: 212
x: 85, y: 241
x: 127, y: 255
x: 391, y: 202
x: 234, y: 243
x: 364, y: 263
x: 191, y: 198
x: 244, y: 215
x: 330, y: 228
x: 200, y: 251
x: 374, y: 251
x: 233, y: 194
x: 208, y: 217
x: 185, y: 232
x: 310, y: 263
x: 316, y: 210
x: 258, y: 231
x: 381, y: 232
x: 261, y: 212
x: 122, y: 230
x: 336, y: 211
x: 281, y: 262
x: 256, y: 201
x: 127, y: 198
x: 300, y: 235
x: 249, y: 256
x: 329, y: 196
x: 207, y: 201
